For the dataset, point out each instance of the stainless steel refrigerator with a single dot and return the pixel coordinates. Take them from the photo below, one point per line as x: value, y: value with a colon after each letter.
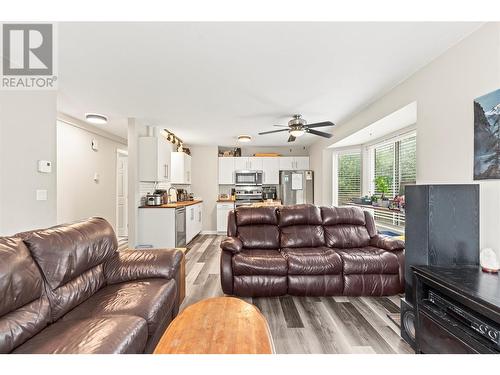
x: 296, y: 187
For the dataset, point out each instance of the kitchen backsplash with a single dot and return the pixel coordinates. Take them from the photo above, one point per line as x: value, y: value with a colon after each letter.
x: 149, y: 187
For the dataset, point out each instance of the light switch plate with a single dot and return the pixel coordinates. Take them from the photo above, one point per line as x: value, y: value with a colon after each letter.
x: 41, y: 195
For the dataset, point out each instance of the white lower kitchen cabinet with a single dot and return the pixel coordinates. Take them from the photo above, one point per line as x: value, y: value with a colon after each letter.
x: 223, y: 210
x: 194, y: 221
x: 156, y: 227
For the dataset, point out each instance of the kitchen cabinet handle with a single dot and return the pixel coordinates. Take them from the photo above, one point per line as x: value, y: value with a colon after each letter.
x: 188, y: 177
x: 199, y: 216
x: 165, y: 171
x: 192, y: 213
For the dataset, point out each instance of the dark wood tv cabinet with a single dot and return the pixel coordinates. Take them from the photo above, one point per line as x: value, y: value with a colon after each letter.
x: 457, y: 310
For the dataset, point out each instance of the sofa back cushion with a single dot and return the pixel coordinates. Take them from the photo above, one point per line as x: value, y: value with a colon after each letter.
x: 70, y: 257
x: 24, y: 309
x: 345, y: 227
x: 300, y: 226
x: 257, y: 227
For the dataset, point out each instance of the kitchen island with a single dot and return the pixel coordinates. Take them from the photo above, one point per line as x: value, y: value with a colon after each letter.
x: 173, y: 226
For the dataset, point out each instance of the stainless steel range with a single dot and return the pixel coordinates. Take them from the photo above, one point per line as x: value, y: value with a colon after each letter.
x: 247, y: 195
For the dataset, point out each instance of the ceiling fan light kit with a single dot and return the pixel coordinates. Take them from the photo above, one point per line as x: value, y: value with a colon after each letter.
x: 297, y: 127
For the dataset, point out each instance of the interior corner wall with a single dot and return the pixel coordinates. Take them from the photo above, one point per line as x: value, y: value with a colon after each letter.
x: 79, y: 196
x: 28, y: 134
x: 204, y: 184
x: 444, y: 90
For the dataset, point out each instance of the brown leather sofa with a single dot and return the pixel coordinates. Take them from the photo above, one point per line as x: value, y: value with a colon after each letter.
x: 307, y: 250
x: 67, y: 289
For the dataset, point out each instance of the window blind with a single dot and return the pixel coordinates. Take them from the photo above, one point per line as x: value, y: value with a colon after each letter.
x: 407, y: 163
x: 348, y: 177
x: 384, y: 166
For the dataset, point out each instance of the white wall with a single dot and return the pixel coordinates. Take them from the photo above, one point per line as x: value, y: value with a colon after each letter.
x: 204, y: 184
x: 27, y: 134
x: 79, y: 196
x: 444, y: 91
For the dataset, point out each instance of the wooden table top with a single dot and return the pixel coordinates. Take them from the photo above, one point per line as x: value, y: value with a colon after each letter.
x: 221, y: 325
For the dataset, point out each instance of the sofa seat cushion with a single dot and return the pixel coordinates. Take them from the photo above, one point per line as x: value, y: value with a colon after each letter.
x: 259, y: 262
x: 312, y: 261
x: 369, y: 260
x: 151, y: 299
x: 103, y: 335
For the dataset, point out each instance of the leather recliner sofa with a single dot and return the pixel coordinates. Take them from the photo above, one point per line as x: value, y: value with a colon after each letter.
x: 67, y: 289
x: 307, y: 250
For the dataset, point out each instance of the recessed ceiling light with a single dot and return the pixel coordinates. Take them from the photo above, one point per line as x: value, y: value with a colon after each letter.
x: 244, y: 138
x: 95, y: 118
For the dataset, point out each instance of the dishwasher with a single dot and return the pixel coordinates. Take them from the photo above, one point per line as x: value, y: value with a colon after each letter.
x: 180, y: 227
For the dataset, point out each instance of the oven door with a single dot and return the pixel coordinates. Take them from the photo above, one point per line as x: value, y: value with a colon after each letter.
x: 247, y: 178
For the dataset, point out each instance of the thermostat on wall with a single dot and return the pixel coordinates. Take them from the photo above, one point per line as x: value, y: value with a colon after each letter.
x: 95, y: 145
x: 44, y: 166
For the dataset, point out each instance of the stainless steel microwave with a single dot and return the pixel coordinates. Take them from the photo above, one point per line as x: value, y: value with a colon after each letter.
x: 248, y: 178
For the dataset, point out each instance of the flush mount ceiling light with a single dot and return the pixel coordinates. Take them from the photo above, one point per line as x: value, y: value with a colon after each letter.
x: 95, y: 118
x: 244, y: 138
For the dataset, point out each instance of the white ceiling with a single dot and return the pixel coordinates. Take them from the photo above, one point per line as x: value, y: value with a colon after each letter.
x: 388, y: 125
x: 209, y: 82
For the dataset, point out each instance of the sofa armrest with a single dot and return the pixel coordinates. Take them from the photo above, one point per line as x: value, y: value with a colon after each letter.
x: 387, y: 243
x: 231, y: 244
x: 129, y: 265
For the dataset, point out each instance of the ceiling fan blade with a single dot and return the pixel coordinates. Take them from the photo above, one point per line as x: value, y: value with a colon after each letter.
x: 274, y: 131
x: 320, y: 124
x: 317, y: 132
x: 281, y: 126
x: 291, y: 138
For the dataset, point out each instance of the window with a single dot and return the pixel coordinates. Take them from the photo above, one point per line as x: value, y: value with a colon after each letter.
x: 348, y: 176
x: 396, y: 161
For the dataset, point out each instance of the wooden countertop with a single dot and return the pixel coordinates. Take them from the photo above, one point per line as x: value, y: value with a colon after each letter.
x: 274, y: 203
x: 175, y: 205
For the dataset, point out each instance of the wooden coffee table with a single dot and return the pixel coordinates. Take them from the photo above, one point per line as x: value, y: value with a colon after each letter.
x: 221, y: 325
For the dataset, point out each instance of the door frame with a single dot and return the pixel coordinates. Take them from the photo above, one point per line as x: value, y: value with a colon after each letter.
x: 121, y: 152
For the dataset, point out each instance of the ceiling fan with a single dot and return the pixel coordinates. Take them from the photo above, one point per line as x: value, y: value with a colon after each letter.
x: 298, y: 126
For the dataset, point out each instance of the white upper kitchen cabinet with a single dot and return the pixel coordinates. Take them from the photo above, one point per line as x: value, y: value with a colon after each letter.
x: 181, y: 168
x: 154, y: 159
x: 241, y: 164
x: 301, y: 163
x: 226, y: 170
x: 287, y: 163
x: 270, y: 171
x: 255, y: 163
x: 294, y: 163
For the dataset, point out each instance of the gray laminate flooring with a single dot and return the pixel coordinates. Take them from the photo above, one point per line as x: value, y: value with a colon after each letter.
x: 303, y: 324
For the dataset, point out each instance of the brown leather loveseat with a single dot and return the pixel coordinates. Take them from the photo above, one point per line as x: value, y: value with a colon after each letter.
x: 67, y: 289
x: 307, y: 250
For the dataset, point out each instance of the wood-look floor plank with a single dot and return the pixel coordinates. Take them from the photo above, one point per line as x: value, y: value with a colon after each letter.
x: 292, y: 316
x: 308, y: 325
